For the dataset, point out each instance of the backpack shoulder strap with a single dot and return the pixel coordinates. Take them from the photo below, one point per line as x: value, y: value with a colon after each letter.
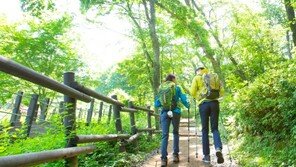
x: 173, y: 87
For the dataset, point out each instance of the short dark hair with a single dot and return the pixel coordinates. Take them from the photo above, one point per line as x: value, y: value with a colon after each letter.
x: 199, y: 68
x: 170, y: 77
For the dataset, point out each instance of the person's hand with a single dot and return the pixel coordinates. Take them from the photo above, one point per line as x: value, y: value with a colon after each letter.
x: 170, y: 114
x: 220, y: 98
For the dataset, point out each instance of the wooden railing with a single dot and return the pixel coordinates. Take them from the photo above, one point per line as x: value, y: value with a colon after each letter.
x: 72, y: 92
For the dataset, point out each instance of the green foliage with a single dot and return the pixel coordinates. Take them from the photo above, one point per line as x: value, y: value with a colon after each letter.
x: 187, y: 24
x: 44, y: 142
x: 86, y: 5
x: 37, y: 7
x: 175, y: 58
x: 255, y: 41
x: 39, y: 44
x: 4, y: 135
x: 95, y: 128
x: 261, y: 112
x: 110, y: 81
x: 254, y: 151
x: 276, y: 101
x: 15, y: 141
x: 274, y: 11
x: 135, y: 72
x: 265, y: 110
x: 106, y: 154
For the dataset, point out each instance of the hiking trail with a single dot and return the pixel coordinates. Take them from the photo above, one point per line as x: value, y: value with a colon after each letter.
x: 154, y: 161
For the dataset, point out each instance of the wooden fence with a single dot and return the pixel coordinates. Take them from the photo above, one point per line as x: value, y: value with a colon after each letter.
x: 72, y: 92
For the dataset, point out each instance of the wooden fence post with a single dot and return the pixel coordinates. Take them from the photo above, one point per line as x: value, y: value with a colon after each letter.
x: 44, y: 107
x: 116, y: 111
x: 15, y: 117
x: 70, y: 119
x: 118, y: 125
x: 31, y: 112
x: 109, y: 114
x: 90, y: 112
x: 132, y: 119
x: 36, y: 113
x: 149, y: 122
x: 100, y: 111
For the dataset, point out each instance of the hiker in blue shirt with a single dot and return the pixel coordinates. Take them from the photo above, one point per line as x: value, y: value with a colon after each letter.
x: 166, y: 117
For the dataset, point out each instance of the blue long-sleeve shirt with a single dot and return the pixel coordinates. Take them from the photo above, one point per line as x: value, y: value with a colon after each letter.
x: 180, y: 96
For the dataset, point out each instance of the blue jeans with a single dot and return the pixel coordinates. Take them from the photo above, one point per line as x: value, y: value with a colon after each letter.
x: 165, y: 127
x: 210, y: 110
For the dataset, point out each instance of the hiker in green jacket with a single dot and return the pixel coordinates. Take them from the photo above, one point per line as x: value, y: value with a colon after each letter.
x: 169, y: 97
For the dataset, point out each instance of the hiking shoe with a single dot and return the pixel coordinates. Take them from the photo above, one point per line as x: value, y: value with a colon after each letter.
x: 206, y: 159
x: 219, y: 155
x: 176, y: 158
x: 164, y: 162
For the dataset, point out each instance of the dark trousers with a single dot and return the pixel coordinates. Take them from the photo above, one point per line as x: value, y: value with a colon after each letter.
x: 210, y: 111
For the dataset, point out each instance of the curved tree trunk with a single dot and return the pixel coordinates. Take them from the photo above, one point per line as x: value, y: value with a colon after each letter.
x: 207, y: 49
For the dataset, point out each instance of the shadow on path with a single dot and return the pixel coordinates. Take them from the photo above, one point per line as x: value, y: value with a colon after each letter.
x: 194, y: 161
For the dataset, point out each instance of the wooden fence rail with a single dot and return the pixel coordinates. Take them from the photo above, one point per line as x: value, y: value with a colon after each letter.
x: 72, y: 91
x: 15, y: 69
x: 30, y: 159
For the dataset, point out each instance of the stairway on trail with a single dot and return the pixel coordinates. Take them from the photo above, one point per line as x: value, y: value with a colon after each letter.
x: 194, y: 161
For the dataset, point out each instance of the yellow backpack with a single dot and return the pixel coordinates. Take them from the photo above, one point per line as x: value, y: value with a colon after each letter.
x: 212, y: 84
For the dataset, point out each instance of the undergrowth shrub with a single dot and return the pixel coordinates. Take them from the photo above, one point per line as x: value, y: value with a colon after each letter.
x: 263, y: 118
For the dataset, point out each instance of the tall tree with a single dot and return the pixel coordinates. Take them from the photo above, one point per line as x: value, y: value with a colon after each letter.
x: 291, y: 17
x: 275, y: 12
x: 195, y: 29
x: 214, y: 33
x: 128, y: 7
x: 150, y: 15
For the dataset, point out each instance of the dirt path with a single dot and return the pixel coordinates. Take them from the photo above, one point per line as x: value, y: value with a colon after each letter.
x: 193, y: 161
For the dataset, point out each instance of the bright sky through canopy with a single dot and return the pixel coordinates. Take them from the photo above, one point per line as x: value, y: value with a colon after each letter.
x: 101, y: 46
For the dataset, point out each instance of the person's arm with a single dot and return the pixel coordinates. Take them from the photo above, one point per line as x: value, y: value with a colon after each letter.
x: 157, y: 102
x: 183, y: 97
x: 193, y: 89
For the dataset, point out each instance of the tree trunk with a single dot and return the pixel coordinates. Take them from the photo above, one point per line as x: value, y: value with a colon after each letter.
x: 291, y: 18
x: 209, y: 52
x: 187, y: 2
x: 147, y: 55
x: 150, y: 15
x: 288, y: 45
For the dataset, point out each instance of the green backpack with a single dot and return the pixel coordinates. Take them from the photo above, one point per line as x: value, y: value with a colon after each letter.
x: 212, y: 84
x: 167, y: 91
